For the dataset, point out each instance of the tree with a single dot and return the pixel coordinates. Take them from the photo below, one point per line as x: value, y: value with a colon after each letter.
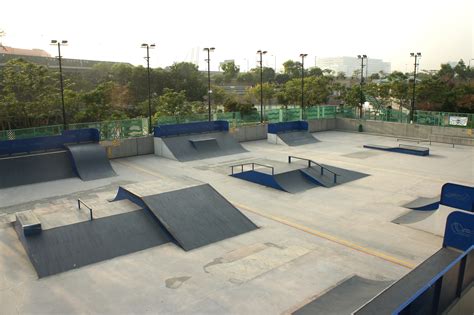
x: 232, y: 105
x: 29, y: 95
x: 247, y: 77
x: 231, y: 70
x: 185, y: 76
x: 292, y: 68
x: 316, y: 91
x: 282, y: 78
x: 268, y: 92
x: 315, y: 72
x: 172, y: 103
x: 398, y: 82
x: 340, y: 75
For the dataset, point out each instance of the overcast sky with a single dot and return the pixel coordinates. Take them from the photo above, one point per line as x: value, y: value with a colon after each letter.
x: 113, y: 30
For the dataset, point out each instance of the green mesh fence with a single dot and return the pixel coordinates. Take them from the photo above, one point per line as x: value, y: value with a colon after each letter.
x: 117, y: 129
x: 120, y: 129
x: 431, y: 118
x: 30, y: 132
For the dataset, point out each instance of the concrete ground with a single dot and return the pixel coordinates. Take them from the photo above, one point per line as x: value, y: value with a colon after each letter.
x: 307, y: 242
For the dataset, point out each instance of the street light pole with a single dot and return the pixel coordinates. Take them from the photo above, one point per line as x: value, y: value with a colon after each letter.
x: 361, y: 94
x: 59, y: 43
x: 417, y: 56
x: 148, y: 46
x: 209, y: 91
x: 261, y: 53
x: 302, y: 83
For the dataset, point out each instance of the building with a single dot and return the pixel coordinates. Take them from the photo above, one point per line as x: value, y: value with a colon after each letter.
x: 350, y: 64
x: 43, y: 58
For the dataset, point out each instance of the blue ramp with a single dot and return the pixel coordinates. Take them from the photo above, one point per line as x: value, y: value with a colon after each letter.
x: 402, y: 148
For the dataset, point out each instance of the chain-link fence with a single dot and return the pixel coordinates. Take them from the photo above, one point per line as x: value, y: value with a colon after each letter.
x: 431, y: 118
x: 129, y: 128
x: 109, y: 130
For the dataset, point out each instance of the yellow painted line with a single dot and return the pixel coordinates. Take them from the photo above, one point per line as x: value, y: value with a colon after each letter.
x: 329, y: 237
x: 300, y: 227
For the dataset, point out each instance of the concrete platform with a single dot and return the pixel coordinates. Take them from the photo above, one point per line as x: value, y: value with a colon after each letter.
x: 306, y: 244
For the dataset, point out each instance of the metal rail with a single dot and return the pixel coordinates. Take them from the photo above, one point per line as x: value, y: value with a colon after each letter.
x: 313, y: 162
x: 79, y: 202
x: 253, y: 167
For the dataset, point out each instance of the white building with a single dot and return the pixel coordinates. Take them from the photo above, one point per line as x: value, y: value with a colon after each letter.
x: 350, y: 64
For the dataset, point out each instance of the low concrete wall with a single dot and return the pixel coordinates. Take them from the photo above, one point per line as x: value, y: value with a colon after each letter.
x: 250, y: 132
x: 130, y: 147
x: 460, y: 136
x: 321, y: 124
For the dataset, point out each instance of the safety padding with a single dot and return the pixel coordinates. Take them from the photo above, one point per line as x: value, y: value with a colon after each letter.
x: 458, y: 196
x: 280, y: 127
x: 191, y: 128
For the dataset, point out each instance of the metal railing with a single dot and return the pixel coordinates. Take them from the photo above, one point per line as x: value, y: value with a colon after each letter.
x: 313, y: 162
x: 253, y: 167
x: 79, y: 202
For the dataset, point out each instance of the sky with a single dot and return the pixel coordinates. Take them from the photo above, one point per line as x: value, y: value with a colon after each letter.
x: 114, y: 30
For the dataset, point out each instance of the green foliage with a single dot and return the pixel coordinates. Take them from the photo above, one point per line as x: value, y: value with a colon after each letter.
x: 29, y: 95
x: 185, y: 76
x: 316, y: 91
x: 172, y: 103
x: 267, y: 89
x: 232, y: 105
x: 231, y: 70
x: 292, y: 68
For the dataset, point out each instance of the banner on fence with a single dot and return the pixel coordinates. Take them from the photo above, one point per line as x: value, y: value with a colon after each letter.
x: 457, y: 121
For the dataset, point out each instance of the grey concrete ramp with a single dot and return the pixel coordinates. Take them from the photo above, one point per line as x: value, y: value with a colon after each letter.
x: 201, y: 146
x: 206, y: 145
x: 294, y: 181
x: 423, y: 203
x: 73, y: 246
x: 197, y: 216
x: 345, y: 298
x: 296, y: 138
x: 35, y: 168
x: 90, y: 161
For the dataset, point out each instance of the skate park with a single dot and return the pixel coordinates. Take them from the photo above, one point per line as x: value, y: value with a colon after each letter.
x: 307, y: 248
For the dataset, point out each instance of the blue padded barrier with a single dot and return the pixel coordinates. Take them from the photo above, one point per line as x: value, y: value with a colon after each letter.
x: 459, y: 231
x: 457, y: 196
x: 191, y: 128
x: 276, y: 128
x: 10, y: 147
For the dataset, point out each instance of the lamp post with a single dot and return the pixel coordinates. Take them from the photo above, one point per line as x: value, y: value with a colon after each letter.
x: 261, y: 53
x: 361, y: 57
x: 302, y: 83
x: 148, y: 47
x: 417, y: 56
x: 59, y: 44
x: 209, y: 91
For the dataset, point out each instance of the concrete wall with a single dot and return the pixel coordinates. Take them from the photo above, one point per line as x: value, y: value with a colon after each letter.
x: 321, y: 124
x: 130, y: 147
x: 250, y: 133
x: 460, y: 136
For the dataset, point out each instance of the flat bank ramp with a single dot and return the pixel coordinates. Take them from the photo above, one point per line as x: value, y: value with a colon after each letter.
x: 296, y: 138
x: 90, y: 161
x: 201, y: 146
x: 73, y: 246
x: 423, y: 203
x: 197, y: 216
x: 345, y: 298
x: 35, y: 168
x: 294, y: 181
x: 402, y: 290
